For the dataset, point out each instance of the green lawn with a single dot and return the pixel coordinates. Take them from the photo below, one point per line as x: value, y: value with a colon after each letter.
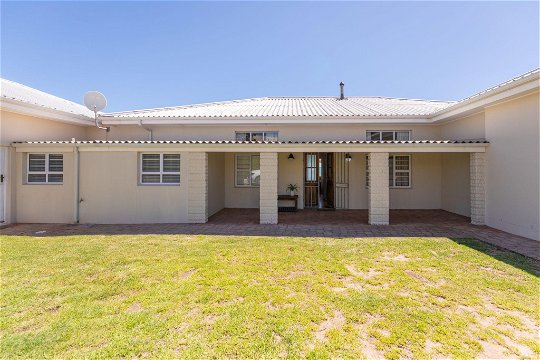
x: 262, y: 297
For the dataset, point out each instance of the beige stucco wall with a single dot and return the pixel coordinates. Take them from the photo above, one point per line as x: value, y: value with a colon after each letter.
x: 111, y: 193
x: 50, y: 203
x: 467, y: 128
x: 17, y: 127
x: 512, y: 199
x: 216, y: 184
x: 238, y: 197
x: 291, y: 172
x: 425, y: 190
x: 455, y: 194
x: 286, y: 132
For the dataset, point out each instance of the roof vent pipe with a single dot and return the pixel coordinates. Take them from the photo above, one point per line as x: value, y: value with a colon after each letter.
x: 342, y: 86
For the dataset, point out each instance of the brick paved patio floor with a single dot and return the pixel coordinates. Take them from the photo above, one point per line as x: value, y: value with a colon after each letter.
x: 312, y: 223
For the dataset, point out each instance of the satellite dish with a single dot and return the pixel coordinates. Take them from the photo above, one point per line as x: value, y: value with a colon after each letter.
x: 95, y: 101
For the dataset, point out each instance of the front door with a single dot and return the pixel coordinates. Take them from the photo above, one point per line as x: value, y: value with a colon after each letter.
x: 319, y: 180
x: 326, y: 180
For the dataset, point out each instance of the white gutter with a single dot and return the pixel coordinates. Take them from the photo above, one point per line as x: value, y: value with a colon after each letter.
x: 527, y: 84
x: 265, y: 148
x: 43, y: 112
x: 259, y: 121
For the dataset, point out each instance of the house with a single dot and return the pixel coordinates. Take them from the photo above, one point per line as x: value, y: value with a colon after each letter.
x: 477, y: 157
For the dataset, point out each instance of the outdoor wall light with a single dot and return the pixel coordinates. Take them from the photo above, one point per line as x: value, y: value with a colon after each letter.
x: 348, y: 157
x: 290, y: 157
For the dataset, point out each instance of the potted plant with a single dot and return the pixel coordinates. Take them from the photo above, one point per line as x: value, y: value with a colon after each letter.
x: 292, y: 188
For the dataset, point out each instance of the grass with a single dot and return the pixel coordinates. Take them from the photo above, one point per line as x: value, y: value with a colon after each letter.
x: 261, y: 297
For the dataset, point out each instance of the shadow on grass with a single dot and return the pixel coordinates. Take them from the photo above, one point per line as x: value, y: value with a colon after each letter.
x: 459, y: 233
x: 509, y: 257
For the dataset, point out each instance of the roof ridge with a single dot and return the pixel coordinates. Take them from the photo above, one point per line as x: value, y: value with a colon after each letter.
x: 358, y: 97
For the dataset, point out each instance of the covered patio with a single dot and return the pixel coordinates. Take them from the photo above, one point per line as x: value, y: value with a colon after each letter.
x: 338, y: 217
x: 307, y: 223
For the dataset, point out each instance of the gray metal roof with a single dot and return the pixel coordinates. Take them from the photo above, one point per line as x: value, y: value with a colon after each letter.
x: 11, y: 90
x: 295, y: 107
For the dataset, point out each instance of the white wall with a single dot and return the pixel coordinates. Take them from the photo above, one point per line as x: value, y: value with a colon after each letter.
x: 111, y: 193
x: 455, y: 189
x: 17, y: 127
x: 513, y: 195
x: 238, y: 197
x: 216, y: 183
x: 425, y: 190
x: 467, y: 128
x: 286, y: 132
x: 49, y: 203
x: 291, y: 172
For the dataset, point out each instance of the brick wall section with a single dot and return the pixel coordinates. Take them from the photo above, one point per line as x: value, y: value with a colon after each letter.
x: 478, y: 188
x: 198, y: 187
x: 269, y: 188
x: 378, y: 194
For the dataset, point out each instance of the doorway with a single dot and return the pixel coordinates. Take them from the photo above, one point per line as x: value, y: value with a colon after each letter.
x: 3, y: 167
x: 319, y: 180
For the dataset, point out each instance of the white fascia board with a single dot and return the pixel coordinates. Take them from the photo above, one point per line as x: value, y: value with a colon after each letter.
x: 43, y: 112
x: 475, y: 104
x: 46, y: 148
x: 363, y: 148
x: 265, y: 121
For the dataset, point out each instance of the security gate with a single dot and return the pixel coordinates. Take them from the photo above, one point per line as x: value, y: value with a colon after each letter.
x: 341, y: 197
x: 326, y: 180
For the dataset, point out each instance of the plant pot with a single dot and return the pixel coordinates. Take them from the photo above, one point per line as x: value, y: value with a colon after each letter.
x: 292, y: 192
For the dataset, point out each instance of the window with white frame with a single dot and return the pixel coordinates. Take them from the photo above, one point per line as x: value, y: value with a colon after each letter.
x: 257, y: 136
x: 247, y: 170
x: 399, y: 171
x: 45, y: 169
x: 388, y: 135
x: 160, y: 169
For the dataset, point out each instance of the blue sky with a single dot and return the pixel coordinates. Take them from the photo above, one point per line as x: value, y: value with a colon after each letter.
x: 154, y: 54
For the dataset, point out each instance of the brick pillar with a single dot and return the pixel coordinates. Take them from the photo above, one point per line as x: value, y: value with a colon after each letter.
x: 198, y: 187
x: 379, y: 195
x: 269, y: 189
x: 478, y: 188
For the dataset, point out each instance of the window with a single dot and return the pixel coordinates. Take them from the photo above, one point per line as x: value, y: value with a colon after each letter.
x: 257, y: 136
x: 248, y: 170
x: 45, y: 169
x: 160, y: 169
x: 399, y: 171
x: 390, y: 135
x: 311, y: 167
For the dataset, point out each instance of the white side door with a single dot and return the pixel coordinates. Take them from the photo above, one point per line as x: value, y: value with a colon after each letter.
x: 3, y: 167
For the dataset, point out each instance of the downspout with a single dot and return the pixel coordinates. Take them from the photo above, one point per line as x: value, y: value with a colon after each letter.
x: 150, y: 133
x: 77, y: 184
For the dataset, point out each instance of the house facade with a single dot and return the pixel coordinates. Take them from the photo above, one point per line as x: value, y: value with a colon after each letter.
x: 478, y: 157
